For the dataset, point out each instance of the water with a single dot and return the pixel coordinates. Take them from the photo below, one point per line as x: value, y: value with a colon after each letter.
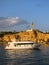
x: 24, y: 57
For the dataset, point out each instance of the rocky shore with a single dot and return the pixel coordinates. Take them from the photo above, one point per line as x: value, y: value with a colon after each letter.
x: 31, y: 35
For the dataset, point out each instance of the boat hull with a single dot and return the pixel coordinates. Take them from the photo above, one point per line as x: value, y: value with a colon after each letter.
x: 34, y: 46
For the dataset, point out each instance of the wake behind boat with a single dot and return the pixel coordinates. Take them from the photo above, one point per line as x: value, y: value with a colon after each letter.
x: 22, y: 45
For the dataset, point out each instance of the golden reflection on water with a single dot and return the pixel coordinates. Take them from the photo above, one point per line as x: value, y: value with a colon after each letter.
x: 18, y: 52
x: 24, y: 57
x: 17, y: 56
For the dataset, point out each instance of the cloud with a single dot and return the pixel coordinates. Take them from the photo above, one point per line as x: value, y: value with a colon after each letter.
x: 10, y: 21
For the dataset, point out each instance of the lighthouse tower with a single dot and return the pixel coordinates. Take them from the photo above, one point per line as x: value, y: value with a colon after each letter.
x: 32, y: 26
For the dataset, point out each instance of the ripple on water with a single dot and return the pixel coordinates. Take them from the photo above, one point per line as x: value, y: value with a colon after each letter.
x: 24, y: 57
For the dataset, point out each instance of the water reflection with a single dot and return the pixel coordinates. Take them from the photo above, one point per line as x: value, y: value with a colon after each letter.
x: 24, y: 57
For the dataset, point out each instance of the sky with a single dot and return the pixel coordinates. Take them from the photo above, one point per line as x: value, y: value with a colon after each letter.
x: 16, y: 13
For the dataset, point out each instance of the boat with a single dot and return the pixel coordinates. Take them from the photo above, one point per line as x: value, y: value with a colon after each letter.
x: 22, y: 45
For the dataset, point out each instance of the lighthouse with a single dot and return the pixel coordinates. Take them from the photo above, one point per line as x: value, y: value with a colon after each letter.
x: 31, y: 27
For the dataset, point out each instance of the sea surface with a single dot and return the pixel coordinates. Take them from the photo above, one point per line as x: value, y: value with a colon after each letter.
x: 24, y: 57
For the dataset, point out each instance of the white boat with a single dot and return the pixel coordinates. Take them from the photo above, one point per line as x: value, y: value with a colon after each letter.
x: 22, y: 45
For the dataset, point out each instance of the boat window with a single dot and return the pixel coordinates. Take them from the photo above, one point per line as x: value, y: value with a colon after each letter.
x: 15, y: 45
x: 20, y: 45
x: 25, y: 43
